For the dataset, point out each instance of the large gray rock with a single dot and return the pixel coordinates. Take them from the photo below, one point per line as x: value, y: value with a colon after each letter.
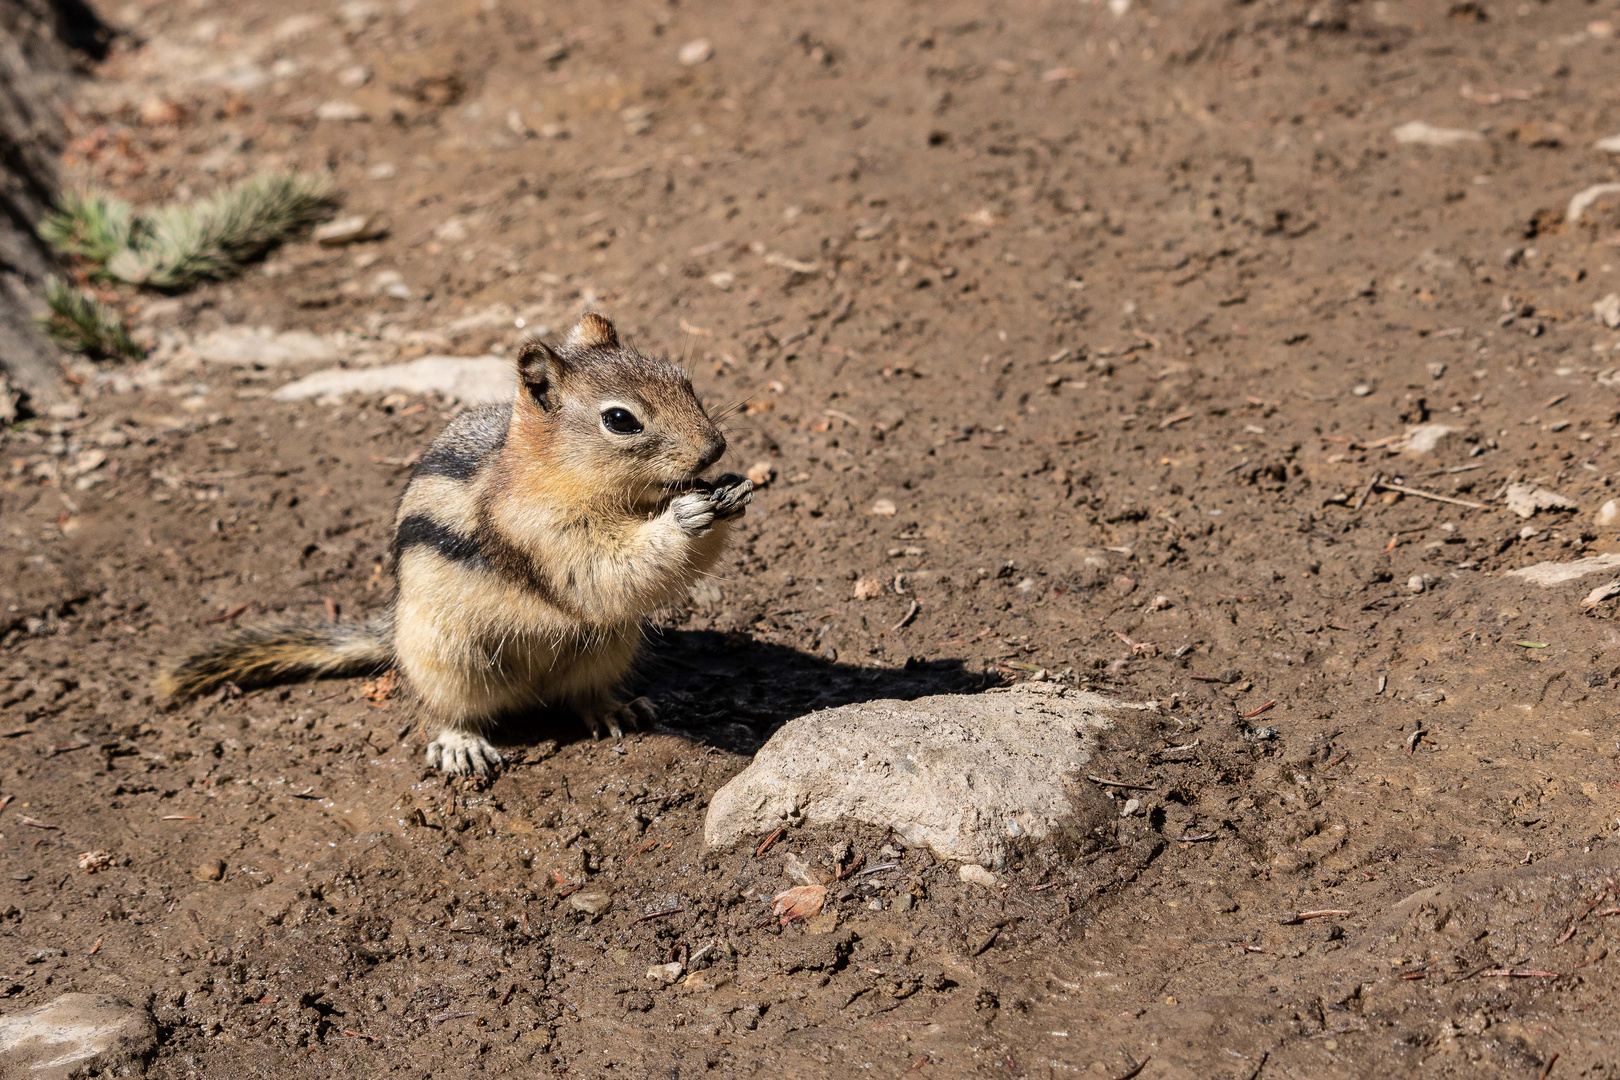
x: 477, y: 380
x: 73, y: 1035
x: 974, y: 777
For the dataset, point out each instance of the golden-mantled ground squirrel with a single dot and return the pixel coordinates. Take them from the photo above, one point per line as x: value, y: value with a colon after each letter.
x: 532, y: 541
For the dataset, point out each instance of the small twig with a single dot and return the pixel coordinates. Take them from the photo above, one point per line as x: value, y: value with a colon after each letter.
x: 506, y: 996
x: 1199, y: 839
x: 911, y: 613
x: 1297, y: 917
x: 1257, y: 712
x: 33, y: 823
x: 658, y: 914
x: 1519, y: 973
x: 875, y: 869
x: 1171, y: 421
x: 1550, y: 1063
x: 1134, y: 1069
x: 96, y: 947
x: 227, y: 616
x: 1366, y: 492
x: 1404, y: 490
x: 1336, y: 760
x: 362, y: 1035
x: 1413, y: 739
x: 1105, y: 782
x: 768, y: 841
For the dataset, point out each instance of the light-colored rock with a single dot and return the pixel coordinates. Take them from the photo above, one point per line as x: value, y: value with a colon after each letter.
x: 696, y: 51
x: 1556, y: 573
x: 1601, y: 593
x: 1583, y: 200
x: 1607, y: 311
x: 1611, y: 144
x: 591, y: 902
x: 664, y: 974
x: 1415, y: 584
x: 974, y: 874
x: 1608, y: 514
x: 262, y: 345
x: 76, y: 1034
x: 1424, y: 439
x: 1527, y: 499
x: 351, y: 230
x: 343, y: 112
x: 476, y: 380
x: 972, y: 777
x: 1419, y: 133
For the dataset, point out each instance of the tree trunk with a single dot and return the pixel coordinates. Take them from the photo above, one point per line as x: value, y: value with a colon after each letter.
x: 43, y: 43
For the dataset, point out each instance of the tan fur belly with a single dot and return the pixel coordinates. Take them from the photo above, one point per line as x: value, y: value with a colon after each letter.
x: 475, y: 646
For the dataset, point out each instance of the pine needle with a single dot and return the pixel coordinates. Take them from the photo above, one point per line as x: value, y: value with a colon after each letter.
x: 90, y: 225
x: 80, y: 323
x: 179, y: 245
x: 184, y: 243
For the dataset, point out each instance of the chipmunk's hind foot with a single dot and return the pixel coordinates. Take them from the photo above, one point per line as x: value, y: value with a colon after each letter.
x: 633, y: 713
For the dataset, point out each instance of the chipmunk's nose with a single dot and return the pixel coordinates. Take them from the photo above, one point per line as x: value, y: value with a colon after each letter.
x: 712, y: 452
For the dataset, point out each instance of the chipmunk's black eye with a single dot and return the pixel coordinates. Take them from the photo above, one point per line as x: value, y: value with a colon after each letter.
x: 621, y: 421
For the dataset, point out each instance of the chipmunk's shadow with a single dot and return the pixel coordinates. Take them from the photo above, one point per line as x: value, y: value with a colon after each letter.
x: 733, y: 692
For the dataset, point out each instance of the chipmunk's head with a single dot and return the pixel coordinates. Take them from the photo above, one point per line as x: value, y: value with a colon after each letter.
x: 631, y: 421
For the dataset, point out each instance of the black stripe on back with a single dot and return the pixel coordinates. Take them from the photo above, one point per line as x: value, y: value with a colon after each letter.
x: 419, y: 529
x: 452, y: 461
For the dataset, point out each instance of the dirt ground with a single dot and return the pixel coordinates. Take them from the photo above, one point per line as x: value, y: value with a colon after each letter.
x: 1084, y: 327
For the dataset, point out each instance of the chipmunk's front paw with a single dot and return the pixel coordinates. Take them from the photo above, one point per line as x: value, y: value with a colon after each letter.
x: 458, y: 754
x: 694, y: 512
x: 731, y: 495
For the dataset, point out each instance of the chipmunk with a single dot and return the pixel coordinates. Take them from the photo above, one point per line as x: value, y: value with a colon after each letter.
x: 530, y: 544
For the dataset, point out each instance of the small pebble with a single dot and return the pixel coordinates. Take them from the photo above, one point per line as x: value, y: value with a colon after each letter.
x: 211, y: 870
x: 974, y: 874
x: 591, y: 902
x: 664, y: 974
x: 1361, y: 390
x: 1415, y: 583
x: 695, y: 52
x: 1608, y: 514
x: 761, y: 473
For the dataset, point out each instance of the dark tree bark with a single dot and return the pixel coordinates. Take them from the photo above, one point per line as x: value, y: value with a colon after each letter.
x: 43, y: 44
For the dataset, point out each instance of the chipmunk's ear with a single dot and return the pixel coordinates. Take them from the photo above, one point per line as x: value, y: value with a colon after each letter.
x: 593, y: 332
x: 539, y: 370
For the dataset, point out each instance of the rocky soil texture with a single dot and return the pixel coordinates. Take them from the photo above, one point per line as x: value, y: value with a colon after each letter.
x: 1222, y: 356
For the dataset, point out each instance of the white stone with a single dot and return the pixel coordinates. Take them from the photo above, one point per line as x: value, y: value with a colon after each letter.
x: 1607, y: 311
x: 949, y: 772
x: 1415, y: 584
x: 664, y: 974
x: 475, y: 380
x: 1419, y: 133
x: 1611, y: 144
x: 1555, y: 573
x: 1584, y: 199
x: 695, y: 52
x: 262, y: 345
x: 343, y: 112
x: 1608, y: 514
x: 974, y: 874
x: 1526, y: 499
x: 1424, y: 439
x: 351, y: 230
x: 74, y: 1035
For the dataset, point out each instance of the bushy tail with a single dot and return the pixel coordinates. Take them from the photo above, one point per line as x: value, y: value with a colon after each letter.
x: 282, y: 652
